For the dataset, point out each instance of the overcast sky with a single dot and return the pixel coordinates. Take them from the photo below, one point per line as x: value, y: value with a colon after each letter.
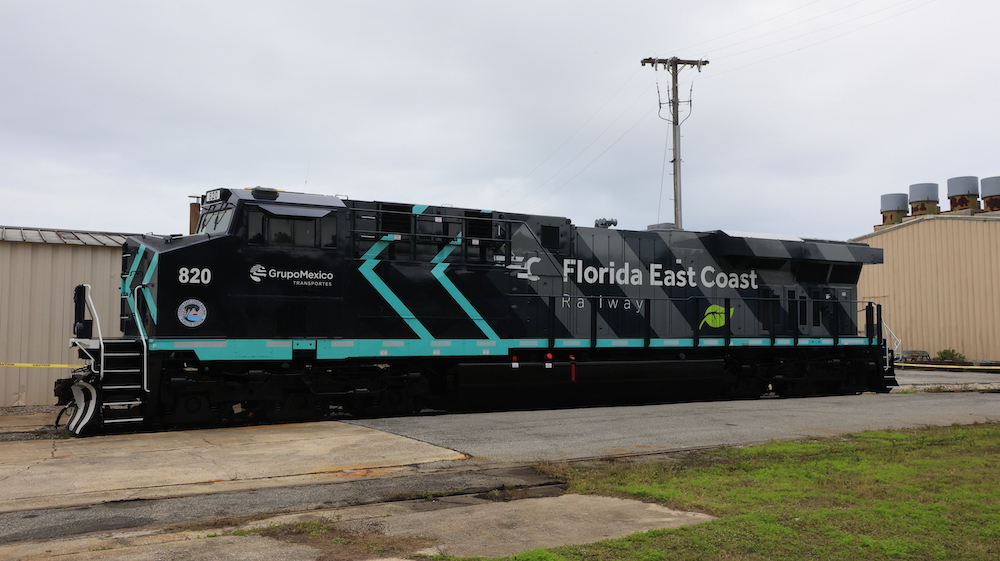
x: 113, y: 112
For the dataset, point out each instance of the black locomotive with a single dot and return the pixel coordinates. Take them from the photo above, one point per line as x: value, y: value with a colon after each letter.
x: 292, y: 306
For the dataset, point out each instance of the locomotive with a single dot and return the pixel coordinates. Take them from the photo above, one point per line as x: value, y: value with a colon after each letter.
x: 291, y: 306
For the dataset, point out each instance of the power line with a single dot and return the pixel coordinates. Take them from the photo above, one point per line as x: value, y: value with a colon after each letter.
x: 674, y: 65
x: 565, y: 142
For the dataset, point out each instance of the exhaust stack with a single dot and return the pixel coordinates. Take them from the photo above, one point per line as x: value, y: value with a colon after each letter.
x: 924, y: 199
x: 894, y: 207
x: 991, y: 194
x: 963, y: 194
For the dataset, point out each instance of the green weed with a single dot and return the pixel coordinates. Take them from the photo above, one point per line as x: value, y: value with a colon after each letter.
x: 926, y: 494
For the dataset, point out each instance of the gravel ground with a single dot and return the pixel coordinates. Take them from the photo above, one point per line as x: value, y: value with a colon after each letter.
x: 47, y: 432
x: 29, y: 410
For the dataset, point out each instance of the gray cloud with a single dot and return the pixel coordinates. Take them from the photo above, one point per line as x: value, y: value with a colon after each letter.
x: 112, y: 113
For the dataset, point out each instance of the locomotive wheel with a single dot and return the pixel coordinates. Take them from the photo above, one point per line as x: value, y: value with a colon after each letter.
x: 395, y: 401
x: 295, y: 406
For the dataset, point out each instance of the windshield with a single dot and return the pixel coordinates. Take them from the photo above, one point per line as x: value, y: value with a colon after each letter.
x: 215, y: 219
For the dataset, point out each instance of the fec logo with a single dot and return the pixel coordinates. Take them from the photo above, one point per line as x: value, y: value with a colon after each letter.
x: 715, y: 316
x: 192, y: 313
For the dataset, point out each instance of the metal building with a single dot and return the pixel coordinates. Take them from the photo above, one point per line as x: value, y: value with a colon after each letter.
x: 38, y: 270
x: 940, y: 284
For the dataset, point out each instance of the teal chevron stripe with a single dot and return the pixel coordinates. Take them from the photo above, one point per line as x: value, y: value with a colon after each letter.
x: 127, y: 282
x: 447, y: 249
x: 367, y: 270
x: 439, y: 274
x: 145, y: 290
x: 456, y: 294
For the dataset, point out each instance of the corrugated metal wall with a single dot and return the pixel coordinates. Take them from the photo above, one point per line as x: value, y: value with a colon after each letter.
x: 940, y: 284
x: 36, y: 311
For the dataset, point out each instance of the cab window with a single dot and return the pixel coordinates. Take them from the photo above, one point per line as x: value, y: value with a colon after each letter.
x: 215, y: 219
x: 264, y: 229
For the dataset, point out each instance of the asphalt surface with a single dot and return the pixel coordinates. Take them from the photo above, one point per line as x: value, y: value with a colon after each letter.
x: 532, y: 436
x: 498, y: 444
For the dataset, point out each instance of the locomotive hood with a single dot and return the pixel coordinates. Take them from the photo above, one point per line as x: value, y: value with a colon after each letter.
x: 144, y: 260
x: 732, y: 244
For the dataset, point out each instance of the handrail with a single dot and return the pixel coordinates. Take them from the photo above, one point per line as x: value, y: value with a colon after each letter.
x: 897, y: 345
x: 93, y: 312
x: 100, y: 335
x: 837, y: 323
x: 142, y: 337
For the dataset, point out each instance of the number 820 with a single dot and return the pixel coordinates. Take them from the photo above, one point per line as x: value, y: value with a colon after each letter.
x: 194, y: 275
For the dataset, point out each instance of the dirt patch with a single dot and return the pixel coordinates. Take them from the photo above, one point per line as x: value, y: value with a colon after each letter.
x: 335, y: 544
x: 490, y: 525
x: 991, y: 387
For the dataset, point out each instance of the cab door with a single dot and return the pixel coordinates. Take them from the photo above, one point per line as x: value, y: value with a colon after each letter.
x: 293, y: 281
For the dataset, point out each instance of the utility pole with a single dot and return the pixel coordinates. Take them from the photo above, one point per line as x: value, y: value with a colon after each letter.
x: 674, y: 64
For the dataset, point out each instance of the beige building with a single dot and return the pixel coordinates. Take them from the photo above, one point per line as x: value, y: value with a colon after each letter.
x: 38, y: 270
x: 940, y: 284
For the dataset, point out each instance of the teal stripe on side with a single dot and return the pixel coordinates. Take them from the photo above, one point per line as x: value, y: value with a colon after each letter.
x: 419, y: 209
x: 572, y: 343
x: 367, y: 270
x: 334, y: 349
x: 228, y: 349
x: 127, y: 282
x: 671, y: 342
x: 529, y: 343
x: 620, y: 343
x: 854, y: 341
x: 147, y: 294
x: 344, y: 348
x: 750, y: 342
x: 816, y: 342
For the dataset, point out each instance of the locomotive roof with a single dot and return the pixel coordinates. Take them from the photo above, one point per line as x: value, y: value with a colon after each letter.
x: 288, y: 197
x: 783, y: 247
x: 726, y: 242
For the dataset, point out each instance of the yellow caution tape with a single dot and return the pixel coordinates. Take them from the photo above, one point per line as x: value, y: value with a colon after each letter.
x: 926, y: 366
x: 33, y: 365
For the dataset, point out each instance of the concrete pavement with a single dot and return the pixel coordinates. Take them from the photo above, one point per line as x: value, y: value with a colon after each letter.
x: 37, y: 474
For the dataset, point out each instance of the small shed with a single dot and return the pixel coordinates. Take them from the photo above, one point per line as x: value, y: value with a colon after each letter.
x: 38, y: 269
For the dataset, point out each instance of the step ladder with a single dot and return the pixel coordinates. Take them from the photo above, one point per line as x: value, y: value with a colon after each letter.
x: 123, y: 395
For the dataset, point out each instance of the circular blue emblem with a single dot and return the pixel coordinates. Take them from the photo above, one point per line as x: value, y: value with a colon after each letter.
x: 192, y: 313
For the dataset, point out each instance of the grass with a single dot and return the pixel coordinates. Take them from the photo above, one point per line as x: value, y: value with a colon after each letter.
x: 930, y: 493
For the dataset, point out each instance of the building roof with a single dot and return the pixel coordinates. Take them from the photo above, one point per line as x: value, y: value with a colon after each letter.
x: 67, y: 237
x: 914, y: 220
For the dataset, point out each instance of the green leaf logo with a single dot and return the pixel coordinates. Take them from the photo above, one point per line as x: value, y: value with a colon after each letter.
x: 715, y: 316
